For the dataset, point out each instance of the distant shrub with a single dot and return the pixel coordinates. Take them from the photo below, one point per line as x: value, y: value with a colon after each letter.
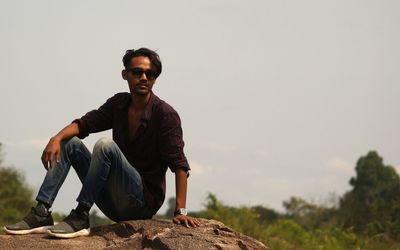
x: 15, y: 196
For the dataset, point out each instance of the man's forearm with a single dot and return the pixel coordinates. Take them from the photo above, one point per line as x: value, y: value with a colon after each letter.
x: 181, y: 188
x: 69, y: 131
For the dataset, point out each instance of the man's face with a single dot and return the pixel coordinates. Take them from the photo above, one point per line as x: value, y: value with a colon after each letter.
x: 140, y: 75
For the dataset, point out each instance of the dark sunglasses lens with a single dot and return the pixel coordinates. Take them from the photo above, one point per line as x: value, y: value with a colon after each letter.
x: 137, y: 72
x: 150, y: 74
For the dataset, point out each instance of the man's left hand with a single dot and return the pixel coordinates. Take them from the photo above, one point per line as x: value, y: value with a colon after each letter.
x: 186, y: 221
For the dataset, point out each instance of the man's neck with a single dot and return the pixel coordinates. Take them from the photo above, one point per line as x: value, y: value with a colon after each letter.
x: 139, y: 101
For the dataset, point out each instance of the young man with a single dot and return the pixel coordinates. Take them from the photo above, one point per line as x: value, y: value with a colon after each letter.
x: 125, y: 176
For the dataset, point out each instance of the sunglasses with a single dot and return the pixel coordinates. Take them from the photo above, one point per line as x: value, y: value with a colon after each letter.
x: 138, y: 72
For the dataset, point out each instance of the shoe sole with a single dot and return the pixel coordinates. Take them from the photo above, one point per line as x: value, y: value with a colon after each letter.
x: 83, y: 232
x: 36, y: 230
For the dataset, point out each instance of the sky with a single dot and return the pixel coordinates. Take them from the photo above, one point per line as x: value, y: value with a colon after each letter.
x: 276, y: 98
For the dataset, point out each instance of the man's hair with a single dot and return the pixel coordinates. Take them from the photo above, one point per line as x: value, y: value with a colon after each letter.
x: 152, y: 55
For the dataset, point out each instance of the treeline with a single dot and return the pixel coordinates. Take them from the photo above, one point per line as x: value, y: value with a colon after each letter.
x: 366, y: 217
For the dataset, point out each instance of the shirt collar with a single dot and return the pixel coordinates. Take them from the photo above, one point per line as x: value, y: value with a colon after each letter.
x: 148, y: 110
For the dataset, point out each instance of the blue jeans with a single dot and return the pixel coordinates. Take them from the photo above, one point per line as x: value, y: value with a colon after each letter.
x: 108, y: 180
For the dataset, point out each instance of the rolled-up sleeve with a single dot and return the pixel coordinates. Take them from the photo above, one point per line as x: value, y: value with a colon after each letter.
x: 171, y: 142
x: 96, y: 120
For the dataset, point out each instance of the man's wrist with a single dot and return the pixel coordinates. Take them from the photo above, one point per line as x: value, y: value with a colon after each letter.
x: 56, y: 138
x: 180, y: 211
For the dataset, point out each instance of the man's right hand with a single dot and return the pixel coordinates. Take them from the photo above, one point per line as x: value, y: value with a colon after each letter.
x: 51, y: 153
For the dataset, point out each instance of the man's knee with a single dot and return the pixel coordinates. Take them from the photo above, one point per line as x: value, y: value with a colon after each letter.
x: 72, y: 143
x: 104, y: 144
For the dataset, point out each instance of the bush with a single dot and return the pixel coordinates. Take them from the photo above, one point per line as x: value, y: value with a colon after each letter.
x: 15, y: 196
x: 286, y: 234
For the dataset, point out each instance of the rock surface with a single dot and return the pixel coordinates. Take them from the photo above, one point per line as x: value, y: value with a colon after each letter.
x: 141, y: 234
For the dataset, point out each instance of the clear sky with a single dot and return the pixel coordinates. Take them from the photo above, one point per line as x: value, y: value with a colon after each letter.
x: 277, y: 98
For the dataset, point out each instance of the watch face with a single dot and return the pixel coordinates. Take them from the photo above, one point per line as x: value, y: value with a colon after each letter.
x: 181, y: 211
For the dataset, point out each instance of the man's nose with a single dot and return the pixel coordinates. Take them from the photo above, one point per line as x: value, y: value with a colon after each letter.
x: 143, y: 76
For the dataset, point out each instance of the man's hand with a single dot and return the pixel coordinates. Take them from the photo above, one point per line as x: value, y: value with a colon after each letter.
x: 186, y: 221
x: 51, y: 154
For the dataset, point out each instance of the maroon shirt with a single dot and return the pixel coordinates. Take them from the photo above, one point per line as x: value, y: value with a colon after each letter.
x: 157, y: 143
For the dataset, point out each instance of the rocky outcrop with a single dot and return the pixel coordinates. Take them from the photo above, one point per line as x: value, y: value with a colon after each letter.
x: 141, y: 234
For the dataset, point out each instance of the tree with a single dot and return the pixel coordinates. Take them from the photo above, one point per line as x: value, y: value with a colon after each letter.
x: 298, y: 207
x: 243, y: 219
x: 15, y: 195
x: 373, y: 205
x: 309, y: 215
x: 266, y: 215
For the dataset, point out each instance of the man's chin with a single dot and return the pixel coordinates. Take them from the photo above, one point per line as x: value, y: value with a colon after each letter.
x: 142, y: 92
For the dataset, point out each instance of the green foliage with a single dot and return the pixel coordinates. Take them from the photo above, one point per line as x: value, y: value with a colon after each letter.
x: 368, y: 216
x: 381, y: 241
x: 333, y: 239
x: 266, y: 215
x: 309, y: 215
x: 242, y: 219
x: 283, y: 231
x: 15, y: 195
x: 372, y: 206
x: 276, y: 230
x: 286, y: 234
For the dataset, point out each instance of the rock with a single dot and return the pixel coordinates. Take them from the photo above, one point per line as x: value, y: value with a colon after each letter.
x: 141, y: 234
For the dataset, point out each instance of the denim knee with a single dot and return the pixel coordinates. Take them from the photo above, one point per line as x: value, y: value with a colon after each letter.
x: 72, y: 143
x: 104, y: 145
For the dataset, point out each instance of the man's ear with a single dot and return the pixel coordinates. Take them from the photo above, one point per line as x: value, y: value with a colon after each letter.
x: 124, y: 74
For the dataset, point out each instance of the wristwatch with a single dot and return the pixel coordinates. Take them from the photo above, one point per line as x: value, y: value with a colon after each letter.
x: 181, y: 211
